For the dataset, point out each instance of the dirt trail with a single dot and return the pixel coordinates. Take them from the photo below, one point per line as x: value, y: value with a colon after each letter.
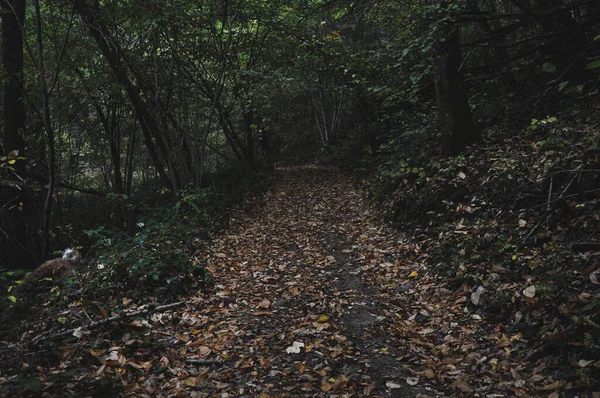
x: 296, y: 310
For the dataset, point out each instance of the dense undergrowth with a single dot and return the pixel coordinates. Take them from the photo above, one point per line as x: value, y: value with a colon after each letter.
x: 158, y: 260
x: 514, y: 220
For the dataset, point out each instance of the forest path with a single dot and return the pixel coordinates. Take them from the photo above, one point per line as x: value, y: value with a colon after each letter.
x: 308, y: 289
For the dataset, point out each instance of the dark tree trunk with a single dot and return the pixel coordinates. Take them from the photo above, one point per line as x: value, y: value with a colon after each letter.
x: 17, y: 236
x: 13, y: 19
x: 454, y: 115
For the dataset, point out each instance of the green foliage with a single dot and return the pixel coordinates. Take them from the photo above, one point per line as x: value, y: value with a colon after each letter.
x: 535, y: 123
x: 158, y: 254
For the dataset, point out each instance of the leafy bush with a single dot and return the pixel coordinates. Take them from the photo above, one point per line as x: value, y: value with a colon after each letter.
x: 158, y: 254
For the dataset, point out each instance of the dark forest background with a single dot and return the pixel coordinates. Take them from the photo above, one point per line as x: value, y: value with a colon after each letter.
x: 131, y: 128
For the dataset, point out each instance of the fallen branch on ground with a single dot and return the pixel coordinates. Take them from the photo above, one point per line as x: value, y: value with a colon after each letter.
x: 95, y: 325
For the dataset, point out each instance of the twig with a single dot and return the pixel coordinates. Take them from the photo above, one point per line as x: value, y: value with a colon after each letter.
x: 203, y: 361
x: 95, y: 325
x: 541, y: 222
x: 550, y: 193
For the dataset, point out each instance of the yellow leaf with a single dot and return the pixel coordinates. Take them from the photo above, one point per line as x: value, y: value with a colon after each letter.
x: 12, y: 161
x: 413, y: 274
x: 190, y: 381
x: 323, y: 318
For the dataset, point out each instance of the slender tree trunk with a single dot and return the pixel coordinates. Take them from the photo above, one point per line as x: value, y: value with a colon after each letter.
x: 249, y: 129
x: 49, y: 132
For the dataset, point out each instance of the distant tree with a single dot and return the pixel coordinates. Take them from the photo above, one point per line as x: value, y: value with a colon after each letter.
x: 455, y: 120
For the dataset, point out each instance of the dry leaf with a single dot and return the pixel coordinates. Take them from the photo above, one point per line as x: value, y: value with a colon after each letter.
x: 295, y: 348
x: 265, y: 303
x: 548, y: 387
x: 182, y: 337
x: 529, y: 291
x: 476, y: 296
x: 412, y: 381
x: 204, y: 350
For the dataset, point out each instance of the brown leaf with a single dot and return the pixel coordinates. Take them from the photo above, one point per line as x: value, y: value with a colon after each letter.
x: 220, y: 385
x: 182, y: 337
x: 326, y: 385
x: 103, y: 312
x: 265, y: 303
x: 261, y: 313
x: 340, y: 382
x: 462, y: 386
x: 204, y: 350
x: 548, y: 387
x: 369, y: 389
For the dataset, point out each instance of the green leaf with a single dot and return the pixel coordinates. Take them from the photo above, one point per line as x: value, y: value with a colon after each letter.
x: 32, y: 385
x: 62, y: 320
x: 12, y: 298
x: 593, y: 65
x: 549, y: 67
x: 562, y: 85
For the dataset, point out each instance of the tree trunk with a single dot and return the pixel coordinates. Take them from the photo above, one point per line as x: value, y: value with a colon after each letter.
x: 13, y: 19
x: 153, y: 137
x: 49, y: 132
x: 17, y: 236
x: 454, y: 115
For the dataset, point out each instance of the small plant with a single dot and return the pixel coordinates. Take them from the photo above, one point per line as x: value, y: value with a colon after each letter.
x: 535, y: 123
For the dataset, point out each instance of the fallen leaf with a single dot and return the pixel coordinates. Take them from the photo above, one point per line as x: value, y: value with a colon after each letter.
x: 529, y: 291
x: 204, y: 350
x: 340, y: 382
x: 265, y: 303
x: 261, y: 313
x: 462, y: 386
x: 182, y: 337
x: 548, y: 387
x: 412, y: 381
x: 295, y: 348
x: 323, y: 318
x: 476, y: 296
x: 583, y: 363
